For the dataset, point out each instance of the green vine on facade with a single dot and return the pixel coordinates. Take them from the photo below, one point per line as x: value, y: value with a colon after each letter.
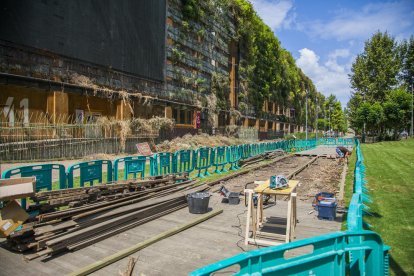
x: 266, y: 71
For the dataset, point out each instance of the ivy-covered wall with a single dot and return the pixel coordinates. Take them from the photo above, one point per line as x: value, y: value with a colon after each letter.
x: 198, y: 52
x: 199, y: 35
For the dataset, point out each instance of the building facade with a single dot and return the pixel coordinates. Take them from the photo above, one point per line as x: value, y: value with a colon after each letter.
x: 76, y: 61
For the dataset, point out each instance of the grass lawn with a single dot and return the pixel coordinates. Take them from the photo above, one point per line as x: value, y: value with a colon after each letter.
x: 390, y: 176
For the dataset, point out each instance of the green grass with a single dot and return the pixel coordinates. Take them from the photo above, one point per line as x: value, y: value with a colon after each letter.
x: 390, y: 176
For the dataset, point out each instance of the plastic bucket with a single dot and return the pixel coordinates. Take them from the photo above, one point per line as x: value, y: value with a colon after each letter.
x: 198, y: 202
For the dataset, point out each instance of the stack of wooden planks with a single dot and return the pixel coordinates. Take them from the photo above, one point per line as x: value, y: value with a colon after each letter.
x: 72, y: 228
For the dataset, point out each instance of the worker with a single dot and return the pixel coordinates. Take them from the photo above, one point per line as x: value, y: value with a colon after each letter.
x: 343, y: 153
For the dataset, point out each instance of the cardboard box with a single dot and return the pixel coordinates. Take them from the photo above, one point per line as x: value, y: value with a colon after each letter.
x: 11, y: 217
x: 14, y: 188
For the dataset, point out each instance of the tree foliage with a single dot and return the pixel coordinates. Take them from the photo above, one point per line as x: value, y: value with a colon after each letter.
x: 266, y: 70
x: 380, y: 103
x: 375, y: 71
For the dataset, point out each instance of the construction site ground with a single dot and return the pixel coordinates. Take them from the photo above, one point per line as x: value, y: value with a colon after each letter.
x: 219, y: 237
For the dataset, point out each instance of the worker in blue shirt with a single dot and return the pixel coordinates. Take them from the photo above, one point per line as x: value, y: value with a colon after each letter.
x: 343, y: 153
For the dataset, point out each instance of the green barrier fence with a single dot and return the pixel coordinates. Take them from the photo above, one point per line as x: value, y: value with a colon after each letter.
x: 329, y: 256
x: 204, y: 160
x: 161, y: 163
x: 220, y: 159
x: 184, y: 161
x: 132, y: 165
x: 233, y: 156
x: 43, y: 174
x: 89, y: 172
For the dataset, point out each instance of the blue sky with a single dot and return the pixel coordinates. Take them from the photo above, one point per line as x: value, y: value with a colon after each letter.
x: 325, y: 36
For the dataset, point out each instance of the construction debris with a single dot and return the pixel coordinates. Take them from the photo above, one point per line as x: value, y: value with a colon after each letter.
x: 130, y: 268
x: 189, y: 141
x: 103, y: 211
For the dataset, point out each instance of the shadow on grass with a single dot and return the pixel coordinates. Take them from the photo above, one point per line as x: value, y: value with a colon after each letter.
x: 396, y: 268
x: 374, y: 215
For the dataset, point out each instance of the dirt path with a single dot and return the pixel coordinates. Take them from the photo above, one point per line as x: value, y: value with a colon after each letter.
x: 321, y: 176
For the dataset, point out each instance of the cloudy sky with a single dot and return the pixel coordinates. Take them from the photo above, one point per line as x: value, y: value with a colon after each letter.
x: 324, y: 36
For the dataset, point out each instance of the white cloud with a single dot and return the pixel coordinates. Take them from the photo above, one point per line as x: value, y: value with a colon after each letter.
x: 274, y: 13
x: 395, y: 17
x: 329, y: 78
x: 332, y: 62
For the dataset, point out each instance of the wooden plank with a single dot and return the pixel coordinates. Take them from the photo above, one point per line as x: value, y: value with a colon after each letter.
x: 128, y: 251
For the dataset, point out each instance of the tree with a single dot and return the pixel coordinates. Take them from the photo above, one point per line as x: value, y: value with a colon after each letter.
x: 369, y: 115
x: 397, y: 110
x: 380, y: 75
x: 375, y: 71
x: 407, y: 53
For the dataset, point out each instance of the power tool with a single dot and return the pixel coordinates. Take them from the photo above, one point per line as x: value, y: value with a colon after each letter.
x: 278, y: 182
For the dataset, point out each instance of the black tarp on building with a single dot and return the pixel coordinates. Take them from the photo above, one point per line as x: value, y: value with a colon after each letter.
x: 125, y: 35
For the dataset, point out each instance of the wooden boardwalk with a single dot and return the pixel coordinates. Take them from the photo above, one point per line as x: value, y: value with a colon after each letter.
x: 198, y: 246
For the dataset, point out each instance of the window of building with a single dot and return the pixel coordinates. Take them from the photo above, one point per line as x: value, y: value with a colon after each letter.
x: 182, y: 116
x: 270, y: 107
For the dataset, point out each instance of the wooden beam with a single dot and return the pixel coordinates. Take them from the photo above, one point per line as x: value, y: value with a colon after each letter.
x: 128, y: 251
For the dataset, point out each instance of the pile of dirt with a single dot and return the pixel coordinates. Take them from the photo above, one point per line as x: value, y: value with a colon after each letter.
x: 189, y: 141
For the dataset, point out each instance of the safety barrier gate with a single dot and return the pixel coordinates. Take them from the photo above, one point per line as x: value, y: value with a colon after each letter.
x: 352, y: 252
x: 132, y: 165
x: 336, y: 142
x: 233, y: 156
x: 220, y: 159
x: 204, y: 158
x: 184, y: 161
x: 89, y: 172
x: 329, y: 256
x: 43, y: 174
x: 162, y: 163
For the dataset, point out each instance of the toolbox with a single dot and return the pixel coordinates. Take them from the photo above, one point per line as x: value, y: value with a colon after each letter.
x: 327, y: 208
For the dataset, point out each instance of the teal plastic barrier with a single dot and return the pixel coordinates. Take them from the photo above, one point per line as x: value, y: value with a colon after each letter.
x: 262, y: 148
x: 133, y: 165
x: 336, y: 142
x: 161, y: 163
x: 184, y: 161
x: 90, y: 171
x: 329, y: 256
x: 245, y: 151
x: 43, y: 174
x: 220, y: 159
x: 234, y: 156
x: 203, y: 161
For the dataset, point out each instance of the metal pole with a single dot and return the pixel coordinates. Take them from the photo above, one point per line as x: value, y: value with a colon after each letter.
x: 329, y: 125
x: 306, y: 118
x: 317, y: 109
x: 412, y: 108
